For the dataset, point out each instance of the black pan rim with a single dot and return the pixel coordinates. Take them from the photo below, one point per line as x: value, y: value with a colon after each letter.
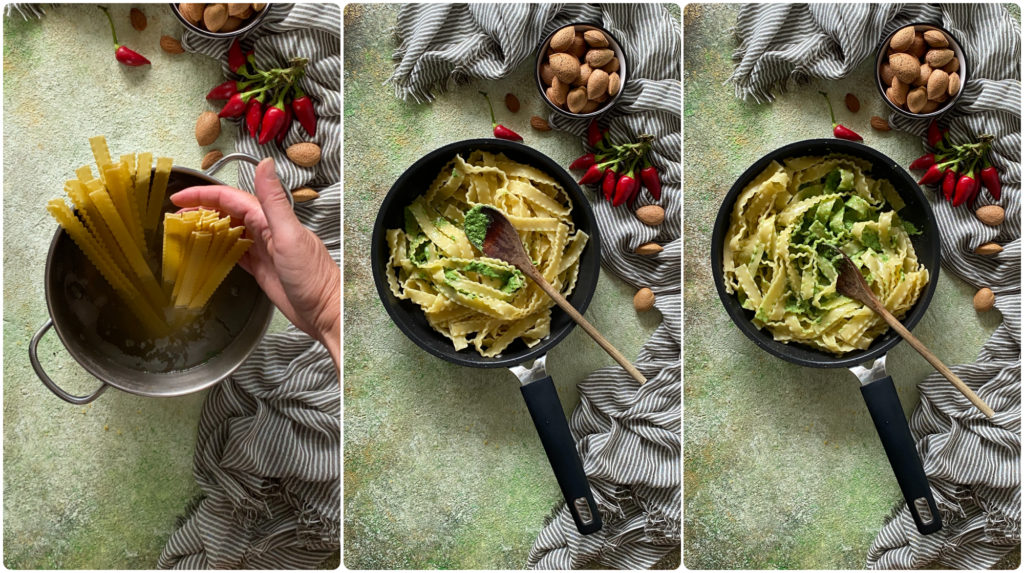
x: 469, y: 357
x: 741, y: 318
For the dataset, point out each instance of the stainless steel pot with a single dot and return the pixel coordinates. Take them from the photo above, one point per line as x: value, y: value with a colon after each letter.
x: 85, y: 313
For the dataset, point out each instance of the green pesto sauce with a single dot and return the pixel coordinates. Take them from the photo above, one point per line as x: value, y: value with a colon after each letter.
x: 475, y: 226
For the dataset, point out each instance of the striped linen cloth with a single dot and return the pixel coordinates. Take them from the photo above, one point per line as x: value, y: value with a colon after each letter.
x: 628, y: 436
x: 972, y: 463
x: 268, y: 452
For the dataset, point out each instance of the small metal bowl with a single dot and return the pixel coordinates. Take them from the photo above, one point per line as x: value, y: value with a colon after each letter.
x: 883, y: 57
x: 253, y: 23
x: 623, y: 71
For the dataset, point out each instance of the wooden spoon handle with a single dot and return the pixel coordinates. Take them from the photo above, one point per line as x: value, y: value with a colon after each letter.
x: 585, y: 324
x: 934, y: 361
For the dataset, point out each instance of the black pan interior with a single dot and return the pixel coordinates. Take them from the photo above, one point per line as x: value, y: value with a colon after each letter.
x: 410, y: 318
x: 917, y: 211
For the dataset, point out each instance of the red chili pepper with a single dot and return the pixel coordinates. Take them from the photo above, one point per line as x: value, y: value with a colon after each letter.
x: 964, y: 188
x: 990, y: 177
x: 624, y: 189
x: 253, y: 113
x: 273, y: 121
x: 923, y: 162
x: 287, y: 125
x: 236, y: 58
x: 583, y: 162
x: 840, y: 131
x: 974, y: 192
x: 500, y: 131
x: 594, y: 133
x: 593, y: 175
x: 235, y: 107
x: 949, y: 184
x: 303, y: 108
x: 124, y: 55
x: 649, y: 176
x: 225, y: 90
x: 935, y: 135
x: 608, y: 185
x: 933, y: 175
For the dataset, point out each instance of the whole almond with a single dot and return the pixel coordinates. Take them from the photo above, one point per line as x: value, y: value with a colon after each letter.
x: 585, y: 71
x: 214, y: 16
x: 926, y: 72
x: 984, y: 300
x: 539, y: 123
x: 562, y: 40
x: 559, y: 91
x: 512, y: 102
x: 612, y: 66
x: 991, y: 215
x: 579, y: 47
x: 546, y: 73
x: 879, y: 123
x: 902, y: 40
x: 651, y: 215
x: 305, y: 154
x: 595, y: 39
x: 576, y: 99
x: 649, y: 249
x: 899, y: 92
x: 599, y: 57
x: 930, y: 106
x: 565, y: 66
x: 954, y: 84
x: 211, y: 158
x: 231, y: 24
x: 938, y: 83
x: 614, y: 82
x: 852, y: 103
x: 207, y: 128
x: 988, y: 249
x: 193, y: 13
x: 303, y: 194
x: 938, y: 57
x: 918, y: 47
x: 238, y: 10
x: 886, y: 73
x: 905, y: 67
x: 936, y: 39
x: 553, y: 95
x: 952, y: 66
x: 171, y: 45
x: 597, y: 84
x: 138, y: 19
x: 916, y: 99
x: 643, y: 300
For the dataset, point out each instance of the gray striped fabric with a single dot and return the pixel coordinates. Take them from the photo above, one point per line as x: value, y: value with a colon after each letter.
x: 628, y: 436
x: 268, y: 452
x: 973, y: 464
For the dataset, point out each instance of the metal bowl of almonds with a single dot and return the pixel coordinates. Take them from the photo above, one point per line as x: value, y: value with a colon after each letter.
x: 920, y: 70
x: 220, y: 21
x: 581, y: 70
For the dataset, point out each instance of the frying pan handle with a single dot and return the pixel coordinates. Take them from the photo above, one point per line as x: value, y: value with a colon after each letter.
x: 546, y: 411
x: 887, y: 413
x: 239, y: 156
x: 33, y: 357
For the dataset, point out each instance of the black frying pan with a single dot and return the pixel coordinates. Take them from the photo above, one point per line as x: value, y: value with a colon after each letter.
x: 877, y: 387
x: 537, y: 388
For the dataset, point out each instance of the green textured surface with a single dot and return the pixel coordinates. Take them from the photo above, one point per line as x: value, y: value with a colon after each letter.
x: 783, y: 468
x: 97, y: 486
x: 443, y: 468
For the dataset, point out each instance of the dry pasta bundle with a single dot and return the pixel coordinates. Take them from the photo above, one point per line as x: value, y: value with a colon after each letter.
x: 470, y: 298
x: 114, y: 222
x: 200, y: 249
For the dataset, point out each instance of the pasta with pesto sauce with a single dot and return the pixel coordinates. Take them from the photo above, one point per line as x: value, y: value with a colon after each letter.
x: 467, y: 297
x: 777, y: 263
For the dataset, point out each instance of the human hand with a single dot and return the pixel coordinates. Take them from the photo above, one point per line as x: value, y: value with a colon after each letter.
x: 289, y: 261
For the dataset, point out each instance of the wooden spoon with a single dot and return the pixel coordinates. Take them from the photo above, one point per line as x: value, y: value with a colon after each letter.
x: 851, y: 283
x: 489, y: 230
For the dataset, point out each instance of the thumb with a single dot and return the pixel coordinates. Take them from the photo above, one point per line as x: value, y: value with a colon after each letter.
x: 280, y: 217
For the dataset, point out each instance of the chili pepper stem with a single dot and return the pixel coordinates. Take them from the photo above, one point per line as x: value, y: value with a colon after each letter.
x: 112, y: 30
x: 494, y: 122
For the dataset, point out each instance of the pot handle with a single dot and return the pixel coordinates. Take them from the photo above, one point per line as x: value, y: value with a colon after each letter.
x: 239, y: 156
x: 884, y: 404
x: 546, y: 411
x: 33, y: 356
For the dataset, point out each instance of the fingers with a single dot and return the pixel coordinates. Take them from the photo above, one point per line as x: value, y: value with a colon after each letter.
x: 283, y: 223
x: 236, y: 203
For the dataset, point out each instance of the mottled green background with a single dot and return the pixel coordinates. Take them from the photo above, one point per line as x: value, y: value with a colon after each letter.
x: 97, y: 486
x: 443, y: 468
x: 783, y: 468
